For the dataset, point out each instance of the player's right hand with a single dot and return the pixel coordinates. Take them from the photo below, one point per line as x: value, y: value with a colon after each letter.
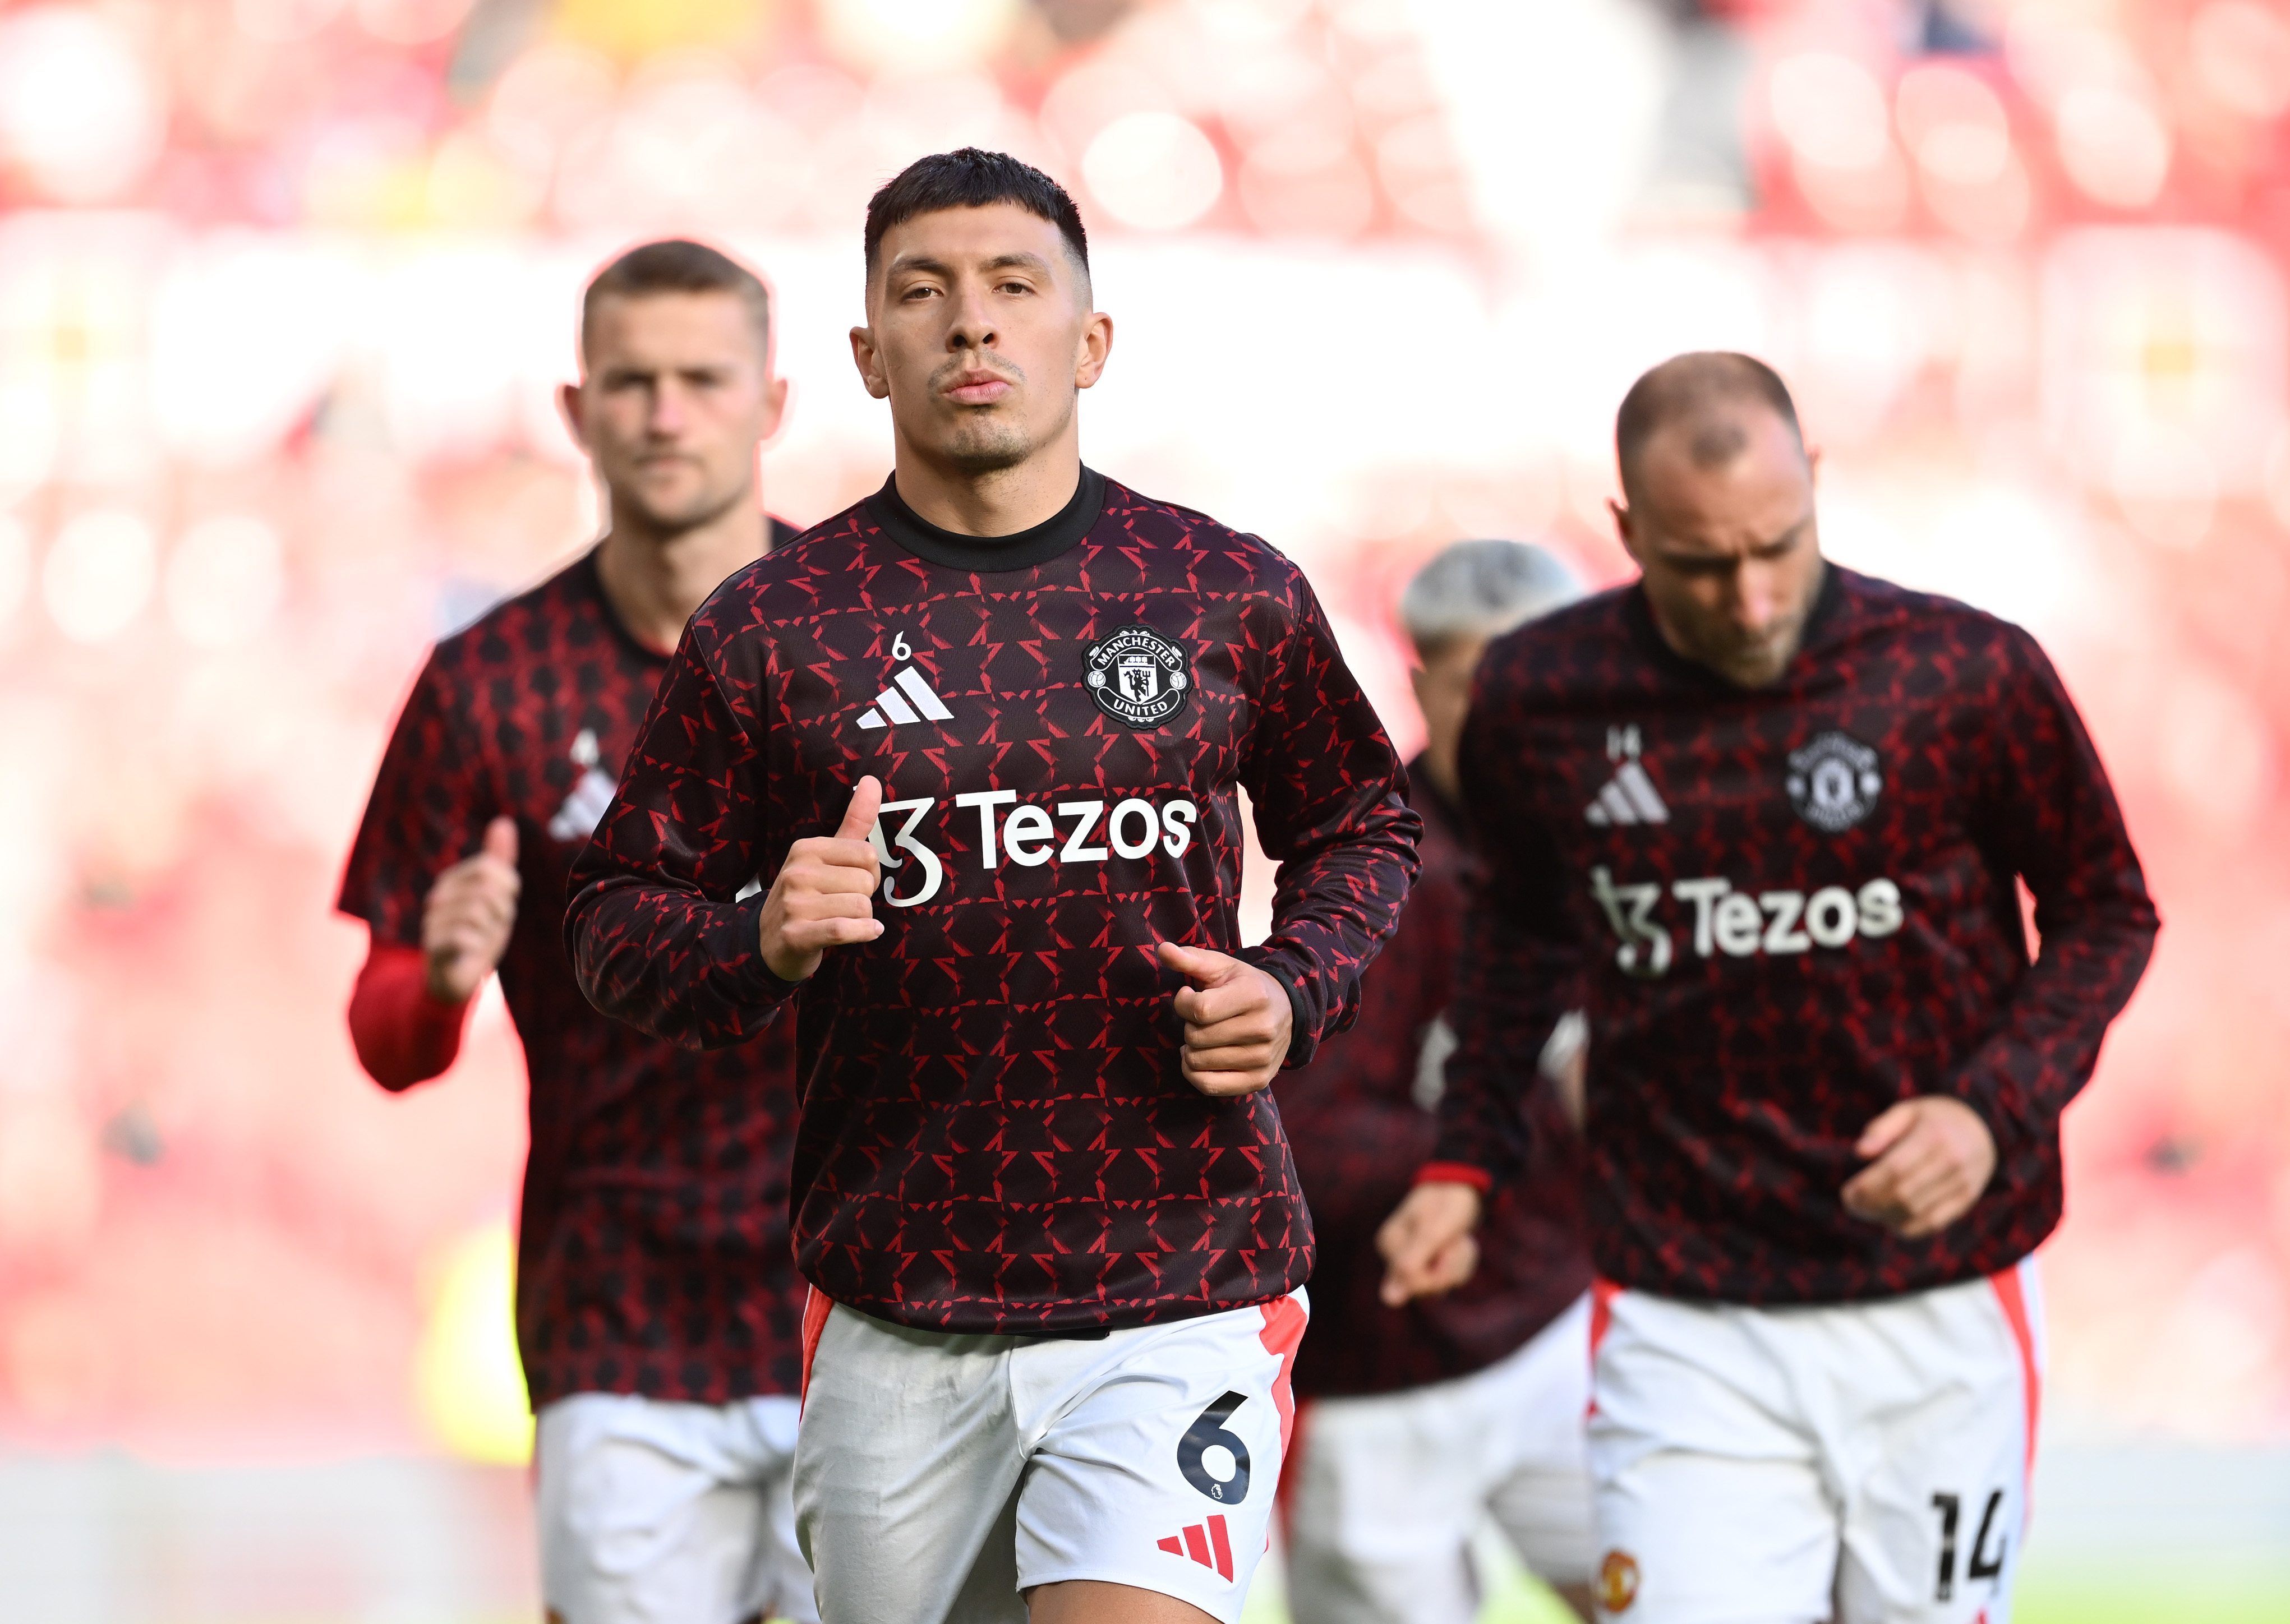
x: 824, y: 896
x: 1427, y: 1243
x: 467, y: 916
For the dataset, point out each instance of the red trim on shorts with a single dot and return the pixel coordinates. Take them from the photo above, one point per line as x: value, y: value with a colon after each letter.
x: 1603, y: 1294
x: 2014, y: 1298
x: 1284, y: 1329
x: 816, y: 1307
x: 1283, y: 1497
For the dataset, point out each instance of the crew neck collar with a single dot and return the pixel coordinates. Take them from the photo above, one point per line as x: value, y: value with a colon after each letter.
x: 950, y: 550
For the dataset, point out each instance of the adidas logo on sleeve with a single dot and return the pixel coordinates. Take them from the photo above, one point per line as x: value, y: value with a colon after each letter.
x: 892, y: 704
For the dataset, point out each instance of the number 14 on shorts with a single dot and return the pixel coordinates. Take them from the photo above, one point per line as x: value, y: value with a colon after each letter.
x: 1950, y: 1509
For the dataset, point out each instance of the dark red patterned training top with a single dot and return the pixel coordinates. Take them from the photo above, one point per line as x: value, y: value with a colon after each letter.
x: 1361, y: 1119
x: 1786, y: 909
x: 652, y: 1253
x: 995, y: 1136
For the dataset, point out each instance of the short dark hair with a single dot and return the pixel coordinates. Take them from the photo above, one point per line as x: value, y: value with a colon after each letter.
x: 972, y: 178
x: 1697, y: 388
x: 676, y: 265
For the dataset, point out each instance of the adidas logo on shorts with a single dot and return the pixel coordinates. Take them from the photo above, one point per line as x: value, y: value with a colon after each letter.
x: 892, y: 704
x: 1199, y: 1540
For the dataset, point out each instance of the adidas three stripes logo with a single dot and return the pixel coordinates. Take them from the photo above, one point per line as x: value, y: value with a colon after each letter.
x: 892, y: 704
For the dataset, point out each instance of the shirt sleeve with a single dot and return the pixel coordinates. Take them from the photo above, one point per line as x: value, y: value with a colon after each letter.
x: 1331, y: 811
x: 403, y: 1036
x: 430, y: 804
x: 656, y: 934
x: 1523, y: 969
x: 2050, y: 817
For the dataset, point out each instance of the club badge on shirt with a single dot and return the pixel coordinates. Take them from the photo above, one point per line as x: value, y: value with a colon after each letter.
x: 1834, y: 781
x: 1138, y: 677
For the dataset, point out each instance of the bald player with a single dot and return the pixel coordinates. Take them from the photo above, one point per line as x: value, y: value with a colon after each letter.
x: 1765, y: 820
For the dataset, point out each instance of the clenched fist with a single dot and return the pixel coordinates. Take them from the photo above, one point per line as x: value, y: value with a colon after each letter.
x: 467, y: 918
x: 1933, y: 1156
x: 1237, y: 1022
x: 1427, y: 1243
x: 824, y: 896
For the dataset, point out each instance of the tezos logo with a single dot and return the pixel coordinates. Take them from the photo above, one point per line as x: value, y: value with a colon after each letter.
x: 1833, y: 782
x: 1138, y: 677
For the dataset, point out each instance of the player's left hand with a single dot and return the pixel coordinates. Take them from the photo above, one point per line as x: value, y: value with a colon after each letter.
x: 1237, y: 1022
x: 1933, y: 1156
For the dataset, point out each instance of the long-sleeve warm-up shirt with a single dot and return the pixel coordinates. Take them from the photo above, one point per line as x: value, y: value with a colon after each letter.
x: 1786, y: 909
x: 652, y: 1253
x: 1362, y: 1116
x: 996, y: 1135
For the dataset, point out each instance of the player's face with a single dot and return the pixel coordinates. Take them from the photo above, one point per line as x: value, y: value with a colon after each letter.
x: 979, y: 334
x: 1443, y: 692
x: 678, y: 397
x: 1730, y: 555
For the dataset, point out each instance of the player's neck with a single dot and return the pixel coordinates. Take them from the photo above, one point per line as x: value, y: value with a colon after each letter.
x: 997, y: 502
x: 654, y: 581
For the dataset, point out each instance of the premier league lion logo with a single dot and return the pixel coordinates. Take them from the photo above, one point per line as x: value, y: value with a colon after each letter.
x: 1138, y: 677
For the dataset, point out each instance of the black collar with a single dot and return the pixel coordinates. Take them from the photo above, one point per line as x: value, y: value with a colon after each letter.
x: 1062, y: 531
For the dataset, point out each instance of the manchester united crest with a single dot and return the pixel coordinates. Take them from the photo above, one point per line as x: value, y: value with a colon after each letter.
x: 1834, y: 782
x: 1138, y: 677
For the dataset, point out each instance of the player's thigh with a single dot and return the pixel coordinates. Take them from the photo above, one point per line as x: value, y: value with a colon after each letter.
x: 1156, y: 1464
x: 779, y: 1581
x: 1936, y: 1477
x: 1380, y: 1506
x: 1540, y: 1498
x: 1687, y: 1538
x: 904, y: 1476
x: 1710, y: 1505
x: 636, y: 1519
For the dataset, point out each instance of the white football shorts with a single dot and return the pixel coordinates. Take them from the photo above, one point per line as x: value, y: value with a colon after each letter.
x: 1866, y: 1462
x: 938, y: 1477
x: 1384, y: 1492
x: 654, y: 1512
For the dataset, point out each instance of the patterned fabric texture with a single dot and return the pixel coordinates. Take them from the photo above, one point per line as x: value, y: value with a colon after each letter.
x: 1784, y: 910
x: 995, y: 1136
x: 1361, y: 1118
x: 652, y: 1253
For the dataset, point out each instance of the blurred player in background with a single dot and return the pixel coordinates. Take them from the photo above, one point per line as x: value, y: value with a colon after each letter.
x: 1415, y: 1423
x: 1766, y: 817
x: 658, y: 1311
x: 1054, y: 1228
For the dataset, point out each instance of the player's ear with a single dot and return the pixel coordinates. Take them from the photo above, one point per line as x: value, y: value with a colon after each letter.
x: 1623, y: 528
x: 777, y: 392
x: 869, y: 363
x: 1095, y: 345
x: 570, y: 404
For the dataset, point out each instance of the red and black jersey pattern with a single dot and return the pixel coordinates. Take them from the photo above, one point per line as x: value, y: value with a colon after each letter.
x: 1361, y: 1120
x: 653, y: 1253
x: 996, y: 1135
x: 1784, y: 910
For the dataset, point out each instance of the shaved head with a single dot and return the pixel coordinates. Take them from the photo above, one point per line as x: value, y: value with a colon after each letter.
x: 1706, y: 398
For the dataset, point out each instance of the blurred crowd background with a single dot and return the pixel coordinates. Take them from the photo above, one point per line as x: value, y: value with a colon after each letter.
x: 286, y: 286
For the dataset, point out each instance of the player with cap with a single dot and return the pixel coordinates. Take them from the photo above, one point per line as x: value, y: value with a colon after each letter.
x: 1416, y: 1424
x: 658, y: 1307
x: 1766, y: 820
